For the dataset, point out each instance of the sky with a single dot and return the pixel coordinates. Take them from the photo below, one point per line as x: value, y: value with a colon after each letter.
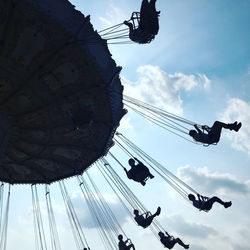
x: 198, y: 67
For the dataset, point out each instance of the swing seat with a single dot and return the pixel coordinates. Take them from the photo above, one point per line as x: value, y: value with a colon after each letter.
x: 145, y: 36
x: 205, y: 127
x: 206, y: 144
x: 148, y: 212
x: 135, y: 17
x: 204, y: 210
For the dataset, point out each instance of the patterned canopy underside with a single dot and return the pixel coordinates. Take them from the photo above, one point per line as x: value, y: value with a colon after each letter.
x: 44, y: 73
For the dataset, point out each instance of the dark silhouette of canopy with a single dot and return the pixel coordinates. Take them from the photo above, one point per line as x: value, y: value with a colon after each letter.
x: 58, y: 107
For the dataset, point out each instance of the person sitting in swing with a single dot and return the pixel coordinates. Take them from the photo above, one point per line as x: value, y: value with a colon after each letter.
x: 124, y: 245
x: 138, y: 172
x: 204, y: 203
x: 144, y: 220
x: 148, y: 24
x: 169, y: 241
x: 212, y: 134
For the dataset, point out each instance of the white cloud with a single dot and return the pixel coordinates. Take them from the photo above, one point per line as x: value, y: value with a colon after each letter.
x: 198, y: 247
x: 125, y: 123
x: 213, y: 183
x: 188, y: 228
x: 114, y: 16
x: 204, y: 81
x: 241, y: 238
x: 203, y: 236
x: 163, y: 90
x: 238, y: 110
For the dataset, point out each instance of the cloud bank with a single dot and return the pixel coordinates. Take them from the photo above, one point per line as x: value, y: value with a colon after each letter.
x: 214, y: 183
x: 188, y: 228
x: 238, y: 110
x: 201, y: 236
x: 114, y: 16
x: 163, y: 90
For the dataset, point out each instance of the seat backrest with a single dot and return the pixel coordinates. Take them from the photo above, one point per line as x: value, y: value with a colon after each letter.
x: 135, y: 17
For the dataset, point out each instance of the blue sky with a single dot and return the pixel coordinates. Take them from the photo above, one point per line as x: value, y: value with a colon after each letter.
x: 198, y: 66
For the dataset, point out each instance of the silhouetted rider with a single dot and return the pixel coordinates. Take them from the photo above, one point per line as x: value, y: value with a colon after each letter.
x: 138, y: 172
x: 205, y: 203
x: 144, y: 220
x: 148, y: 23
x: 169, y: 241
x: 125, y: 245
x: 212, y: 135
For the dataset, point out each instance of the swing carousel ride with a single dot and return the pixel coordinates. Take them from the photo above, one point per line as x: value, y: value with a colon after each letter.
x: 61, y: 101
